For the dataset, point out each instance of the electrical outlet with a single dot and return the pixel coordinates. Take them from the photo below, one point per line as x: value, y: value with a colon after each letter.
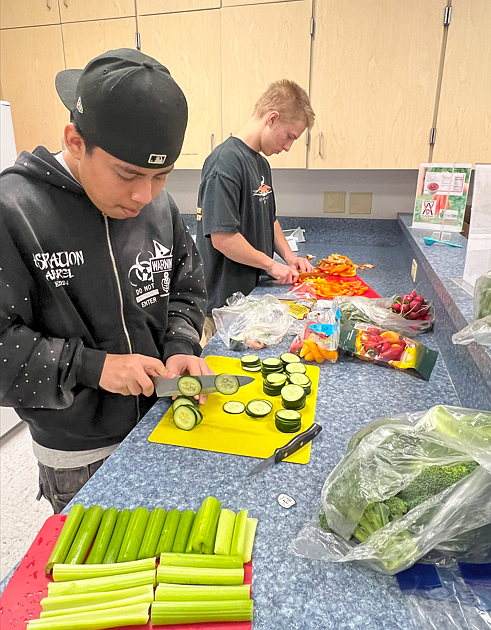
x: 360, y: 203
x: 334, y: 202
x: 414, y: 270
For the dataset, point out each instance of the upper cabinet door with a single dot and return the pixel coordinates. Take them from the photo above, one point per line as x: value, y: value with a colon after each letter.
x: 262, y: 44
x: 188, y: 44
x: 373, y: 86
x: 85, y: 40
x: 150, y: 7
x: 237, y: 3
x: 30, y: 60
x: 15, y: 13
x: 82, y: 10
x: 464, y: 115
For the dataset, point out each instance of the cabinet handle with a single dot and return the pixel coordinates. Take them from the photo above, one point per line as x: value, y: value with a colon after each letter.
x: 48, y: 4
x: 320, y: 143
x: 212, y: 141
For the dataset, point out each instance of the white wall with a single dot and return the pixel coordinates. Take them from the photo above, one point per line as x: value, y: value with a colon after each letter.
x: 300, y: 192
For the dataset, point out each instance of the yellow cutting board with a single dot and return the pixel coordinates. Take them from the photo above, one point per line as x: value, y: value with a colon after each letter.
x: 238, y: 434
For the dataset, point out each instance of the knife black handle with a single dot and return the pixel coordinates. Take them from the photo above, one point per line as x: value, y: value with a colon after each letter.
x: 298, y: 441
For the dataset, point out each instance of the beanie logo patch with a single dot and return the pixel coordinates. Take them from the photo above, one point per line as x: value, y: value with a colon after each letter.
x: 79, y: 105
x: 155, y: 158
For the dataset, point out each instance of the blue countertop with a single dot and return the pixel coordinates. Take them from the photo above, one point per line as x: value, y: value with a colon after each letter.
x: 290, y: 592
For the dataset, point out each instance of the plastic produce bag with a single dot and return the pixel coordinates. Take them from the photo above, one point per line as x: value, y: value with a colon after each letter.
x: 479, y: 331
x: 393, y: 457
x: 448, y: 599
x: 319, y: 338
x: 252, y: 321
x: 482, y: 296
x: 376, y: 311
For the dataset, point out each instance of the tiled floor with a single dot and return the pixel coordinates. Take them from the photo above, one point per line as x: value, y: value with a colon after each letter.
x: 21, y: 516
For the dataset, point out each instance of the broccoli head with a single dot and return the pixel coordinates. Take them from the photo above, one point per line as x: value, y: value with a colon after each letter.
x: 433, y: 480
x: 323, y: 521
x: 397, y: 508
x: 375, y: 516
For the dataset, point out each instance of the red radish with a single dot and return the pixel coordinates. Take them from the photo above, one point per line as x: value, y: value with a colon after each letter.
x: 396, y: 307
x: 413, y: 316
x: 415, y: 304
x: 419, y: 298
x: 413, y: 294
x: 405, y: 308
x: 427, y: 317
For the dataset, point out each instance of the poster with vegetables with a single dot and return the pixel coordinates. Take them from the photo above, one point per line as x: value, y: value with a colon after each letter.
x: 441, y: 196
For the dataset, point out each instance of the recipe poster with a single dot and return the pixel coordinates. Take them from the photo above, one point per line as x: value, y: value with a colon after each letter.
x: 441, y: 195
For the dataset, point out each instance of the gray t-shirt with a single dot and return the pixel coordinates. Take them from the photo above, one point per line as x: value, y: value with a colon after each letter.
x: 235, y: 196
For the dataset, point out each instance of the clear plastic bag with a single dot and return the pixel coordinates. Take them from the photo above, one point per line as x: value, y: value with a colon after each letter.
x: 479, y: 331
x: 448, y: 599
x: 318, y: 340
x: 376, y: 311
x: 252, y: 321
x: 381, y: 461
x: 482, y: 296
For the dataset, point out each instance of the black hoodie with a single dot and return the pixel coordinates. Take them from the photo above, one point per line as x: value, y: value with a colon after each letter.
x: 75, y: 285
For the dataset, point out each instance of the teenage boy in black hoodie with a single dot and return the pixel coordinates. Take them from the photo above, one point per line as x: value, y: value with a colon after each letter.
x: 101, y: 283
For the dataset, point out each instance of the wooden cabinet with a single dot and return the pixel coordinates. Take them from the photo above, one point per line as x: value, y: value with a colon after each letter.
x: 261, y: 44
x: 464, y: 114
x: 236, y: 3
x: 188, y: 44
x: 82, y: 10
x: 85, y: 40
x: 30, y: 60
x: 151, y: 7
x: 16, y: 13
x: 373, y: 84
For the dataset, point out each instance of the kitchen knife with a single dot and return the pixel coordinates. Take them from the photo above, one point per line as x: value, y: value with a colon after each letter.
x: 292, y: 447
x: 168, y: 386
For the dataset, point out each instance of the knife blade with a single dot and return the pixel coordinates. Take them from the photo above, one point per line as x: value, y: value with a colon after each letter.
x: 291, y: 447
x: 168, y: 386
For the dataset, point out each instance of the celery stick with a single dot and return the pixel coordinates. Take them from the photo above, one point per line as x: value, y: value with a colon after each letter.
x: 66, y: 537
x: 206, y: 529
x: 66, y: 572
x: 134, y: 535
x: 184, y: 593
x: 225, y: 531
x: 117, y: 537
x: 95, y: 585
x: 200, y: 575
x: 237, y: 548
x: 167, y: 613
x: 168, y: 532
x: 87, y: 599
x: 106, y: 528
x: 152, y: 534
x: 135, y: 615
x: 250, y: 533
x: 192, y: 533
x: 185, y: 524
x: 200, y: 560
x: 117, y: 603
x: 85, y: 535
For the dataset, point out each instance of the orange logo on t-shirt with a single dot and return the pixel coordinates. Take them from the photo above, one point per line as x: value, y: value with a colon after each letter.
x: 263, y: 191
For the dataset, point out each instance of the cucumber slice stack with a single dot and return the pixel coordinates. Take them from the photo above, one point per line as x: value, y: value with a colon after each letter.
x: 186, y: 417
x: 273, y: 383
x: 295, y: 368
x: 293, y: 397
x: 258, y: 408
x: 251, y: 363
x: 272, y: 364
x: 288, y: 357
x: 303, y: 380
x: 288, y: 420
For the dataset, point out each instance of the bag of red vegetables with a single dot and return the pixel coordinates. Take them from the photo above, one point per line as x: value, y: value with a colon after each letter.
x: 413, y: 306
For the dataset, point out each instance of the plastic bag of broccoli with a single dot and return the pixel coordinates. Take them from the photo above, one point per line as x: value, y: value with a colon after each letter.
x: 480, y: 329
x: 407, y: 485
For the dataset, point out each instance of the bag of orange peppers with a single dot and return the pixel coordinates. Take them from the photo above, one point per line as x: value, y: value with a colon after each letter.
x: 319, y: 339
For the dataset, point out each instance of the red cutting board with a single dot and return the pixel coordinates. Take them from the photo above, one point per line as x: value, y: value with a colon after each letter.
x: 20, y: 601
x: 370, y: 293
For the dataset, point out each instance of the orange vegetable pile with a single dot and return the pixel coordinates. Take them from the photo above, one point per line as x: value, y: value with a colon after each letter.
x: 328, y: 289
x: 337, y: 265
x: 312, y: 352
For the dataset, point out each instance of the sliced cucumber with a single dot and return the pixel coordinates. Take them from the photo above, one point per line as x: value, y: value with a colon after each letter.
x: 250, y: 360
x: 289, y: 357
x: 271, y: 362
x: 189, y: 385
x: 199, y: 416
x: 234, y: 406
x: 293, y: 368
x: 227, y: 384
x: 288, y: 415
x: 185, y: 417
x: 258, y: 408
x: 275, y: 379
x: 300, y: 379
x: 271, y: 391
x: 293, y: 393
x: 250, y: 369
x: 182, y: 400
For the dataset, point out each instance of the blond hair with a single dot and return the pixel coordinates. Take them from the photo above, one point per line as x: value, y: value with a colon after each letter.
x: 289, y: 100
